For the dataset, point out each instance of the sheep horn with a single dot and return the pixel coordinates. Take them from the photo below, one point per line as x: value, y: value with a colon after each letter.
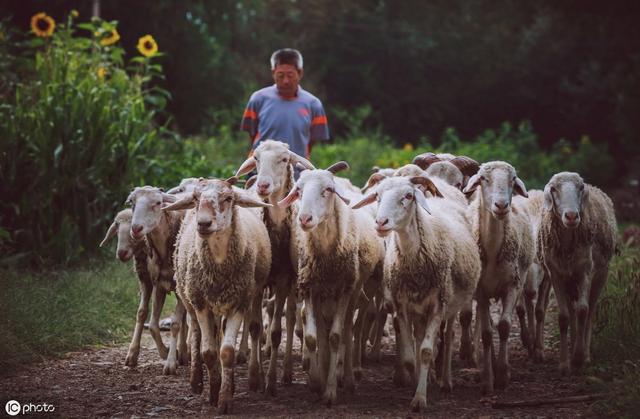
x: 467, y: 166
x: 337, y: 167
x: 425, y: 160
x: 249, y: 183
x: 427, y: 183
x: 232, y: 180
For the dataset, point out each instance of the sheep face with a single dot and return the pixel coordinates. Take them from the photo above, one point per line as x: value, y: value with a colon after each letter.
x: 397, y: 197
x: 317, y: 191
x: 271, y: 159
x: 498, y: 182
x: 565, y: 195
x: 146, y: 204
x: 448, y: 172
x: 409, y: 170
x: 186, y: 186
x: 121, y: 228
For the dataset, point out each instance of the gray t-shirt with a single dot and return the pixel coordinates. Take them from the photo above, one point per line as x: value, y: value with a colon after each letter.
x: 296, y: 121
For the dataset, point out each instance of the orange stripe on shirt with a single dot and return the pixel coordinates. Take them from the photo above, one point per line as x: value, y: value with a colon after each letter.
x: 319, y: 120
x: 251, y: 114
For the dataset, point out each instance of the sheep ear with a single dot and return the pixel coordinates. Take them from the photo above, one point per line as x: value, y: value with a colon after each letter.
x: 473, y: 183
x: 422, y: 200
x: 247, y: 166
x: 425, y: 160
x: 168, y: 198
x: 232, y: 180
x: 187, y: 202
x: 249, y: 183
x: 366, y: 201
x: 373, y: 180
x: 113, y: 229
x: 337, y: 167
x: 294, y: 158
x: 340, y: 194
x: 548, y: 198
x: 175, y: 190
x: 519, y: 188
x: 290, y: 198
x: 425, y: 184
x: 246, y: 201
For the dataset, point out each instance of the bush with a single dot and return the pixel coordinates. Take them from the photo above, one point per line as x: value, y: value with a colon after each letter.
x: 73, y: 132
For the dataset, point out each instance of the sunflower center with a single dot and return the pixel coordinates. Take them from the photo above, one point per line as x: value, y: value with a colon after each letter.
x: 43, y: 24
x: 148, y: 45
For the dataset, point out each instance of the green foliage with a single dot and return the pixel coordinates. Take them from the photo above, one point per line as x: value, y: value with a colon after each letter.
x: 48, y: 313
x: 73, y: 132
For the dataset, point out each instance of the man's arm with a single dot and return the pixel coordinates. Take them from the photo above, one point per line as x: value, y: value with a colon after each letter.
x: 319, y: 130
x: 250, y: 120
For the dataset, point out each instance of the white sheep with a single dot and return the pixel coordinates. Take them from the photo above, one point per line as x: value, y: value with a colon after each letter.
x: 160, y: 229
x: 127, y: 249
x: 274, y: 163
x: 338, y: 252
x: 577, y: 238
x: 502, y: 228
x: 222, y: 261
x: 431, y: 269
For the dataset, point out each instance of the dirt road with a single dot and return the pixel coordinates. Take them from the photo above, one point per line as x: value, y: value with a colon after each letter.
x: 95, y: 382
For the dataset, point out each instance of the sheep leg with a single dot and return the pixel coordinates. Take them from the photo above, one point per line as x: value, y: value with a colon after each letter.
x: 449, y: 336
x: 290, y: 316
x: 243, y: 351
x: 504, y: 327
x: 529, y: 304
x: 256, y: 374
x: 209, y: 329
x: 563, y: 324
x: 227, y: 361
x: 541, y: 310
x: 358, y: 337
x: 313, y: 360
x: 159, y: 296
x: 487, y: 342
x: 299, y: 329
x: 378, y: 328
x: 275, y: 331
x: 348, y: 369
x: 404, y: 369
x: 335, y: 336
x: 596, y: 287
x: 582, y: 320
x: 143, y: 310
x: 429, y: 336
x: 466, y: 343
x: 522, y: 320
x: 270, y: 308
x: 171, y: 363
x: 183, y: 353
x: 195, y: 340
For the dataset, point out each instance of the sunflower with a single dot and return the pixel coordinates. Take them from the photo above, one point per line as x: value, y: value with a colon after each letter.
x: 74, y: 13
x: 147, y: 46
x: 111, y: 38
x: 101, y: 72
x: 43, y: 25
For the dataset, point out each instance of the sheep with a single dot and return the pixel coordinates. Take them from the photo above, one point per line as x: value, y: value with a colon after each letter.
x: 274, y: 163
x: 127, y: 249
x: 454, y: 170
x: 576, y: 238
x: 502, y: 228
x: 338, y: 252
x: 222, y: 261
x: 160, y: 229
x: 431, y: 270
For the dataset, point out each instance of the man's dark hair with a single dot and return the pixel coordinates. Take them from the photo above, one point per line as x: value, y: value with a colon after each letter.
x: 287, y: 56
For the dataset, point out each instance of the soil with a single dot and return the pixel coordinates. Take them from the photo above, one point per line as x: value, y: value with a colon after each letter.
x: 95, y: 383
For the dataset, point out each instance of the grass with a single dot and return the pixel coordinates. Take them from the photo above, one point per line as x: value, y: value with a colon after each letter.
x: 47, y: 313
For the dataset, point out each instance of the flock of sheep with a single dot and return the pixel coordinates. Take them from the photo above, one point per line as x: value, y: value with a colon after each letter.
x: 419, y: 243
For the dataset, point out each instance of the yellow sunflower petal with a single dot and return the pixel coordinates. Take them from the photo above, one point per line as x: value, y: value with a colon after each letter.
x: 111, y: 39
x: 147, y: 46
x: 42, y: 25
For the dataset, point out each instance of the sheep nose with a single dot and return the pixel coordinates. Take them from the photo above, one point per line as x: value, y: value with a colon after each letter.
x: 501, y: 205
x: 122, y: 254
x: 305, y: 219
x: 205, y: 224
x: 136, y: 228
x: 571, y: 216
x: 263, y: 186
x: 382, y: 222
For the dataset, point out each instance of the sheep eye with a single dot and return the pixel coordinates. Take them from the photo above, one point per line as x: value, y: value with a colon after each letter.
x: 284, y: 160
x: 409, y: 196
x: 482, y: 178
x: 330, y: 189
x: 227, y: 199
x: 158, y: 202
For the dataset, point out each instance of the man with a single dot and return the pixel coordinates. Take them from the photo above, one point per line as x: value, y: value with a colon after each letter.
x: 285, y: 111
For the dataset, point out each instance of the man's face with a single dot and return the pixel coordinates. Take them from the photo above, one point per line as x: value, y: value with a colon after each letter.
x: 287, y: 78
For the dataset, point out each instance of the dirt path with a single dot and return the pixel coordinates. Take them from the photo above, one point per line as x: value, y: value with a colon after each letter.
x: 95, y: 382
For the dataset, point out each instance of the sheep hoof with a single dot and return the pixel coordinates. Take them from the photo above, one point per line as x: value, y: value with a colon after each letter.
x: 538, y: 355
x: 329, y: 397
x: 357, y: 373
x: 196, y: 386
x: 131, y: 360
x: 447, y: 387
x: 184, y: 358
x: 418, y: 404
x: 271, y: 389
x: 502, y: 379
x: 225, y: 406
x: 256, y: 381
x: 169, y: 368
x: 577, y: 360
x: 287, y: 377
x: 164, y: 353
x: 306, y: 362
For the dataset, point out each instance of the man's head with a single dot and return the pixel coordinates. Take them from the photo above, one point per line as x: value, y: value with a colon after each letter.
x: 286, y: 69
